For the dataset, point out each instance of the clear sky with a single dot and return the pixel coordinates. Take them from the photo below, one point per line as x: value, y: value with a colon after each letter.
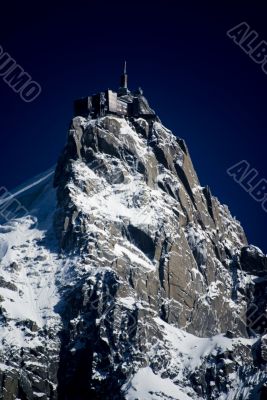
x: 202, y: 85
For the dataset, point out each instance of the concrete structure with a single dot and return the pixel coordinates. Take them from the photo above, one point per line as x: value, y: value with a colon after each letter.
x: 123, y: 103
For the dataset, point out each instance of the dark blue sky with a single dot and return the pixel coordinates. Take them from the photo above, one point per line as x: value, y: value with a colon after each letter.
x: 203, y: 86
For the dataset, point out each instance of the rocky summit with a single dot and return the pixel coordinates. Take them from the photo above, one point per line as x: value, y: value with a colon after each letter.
x: 126, y: 279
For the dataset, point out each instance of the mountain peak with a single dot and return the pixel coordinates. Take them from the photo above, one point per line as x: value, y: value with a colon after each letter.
x: 138, y: 282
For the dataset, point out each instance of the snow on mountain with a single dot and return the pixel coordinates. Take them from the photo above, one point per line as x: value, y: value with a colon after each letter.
x: 127, y: 279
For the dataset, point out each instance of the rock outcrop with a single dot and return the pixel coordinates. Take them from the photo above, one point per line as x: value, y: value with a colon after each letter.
x: 151, y: 278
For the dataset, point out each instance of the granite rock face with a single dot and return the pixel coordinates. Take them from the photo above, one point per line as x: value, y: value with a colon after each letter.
x: 140, y: 192
x: 253, y: 261
x: 149, y: 277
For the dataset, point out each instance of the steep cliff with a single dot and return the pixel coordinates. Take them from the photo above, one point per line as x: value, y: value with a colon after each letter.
x: 134, y: 282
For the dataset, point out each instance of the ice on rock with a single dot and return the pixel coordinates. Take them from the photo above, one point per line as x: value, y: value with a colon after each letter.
x: 125, y: 278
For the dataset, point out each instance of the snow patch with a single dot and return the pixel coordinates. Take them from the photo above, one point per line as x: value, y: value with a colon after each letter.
x: 146, y: 385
